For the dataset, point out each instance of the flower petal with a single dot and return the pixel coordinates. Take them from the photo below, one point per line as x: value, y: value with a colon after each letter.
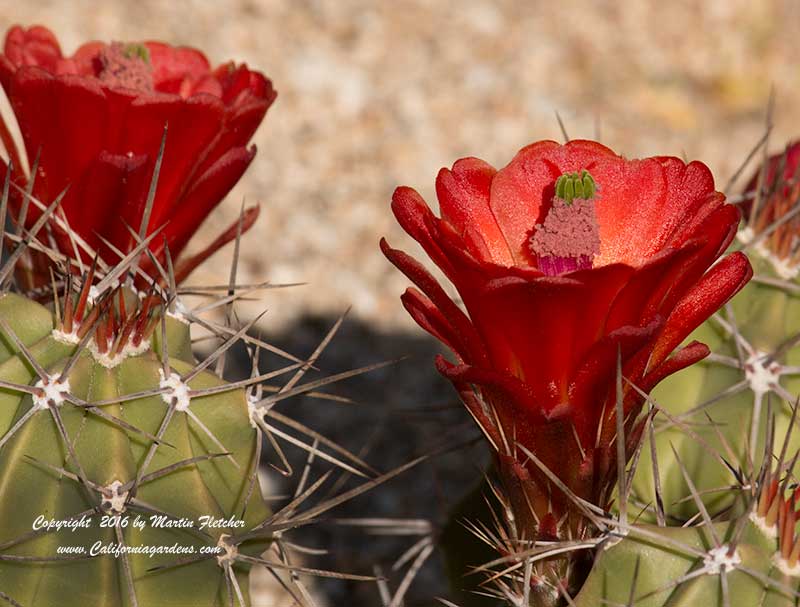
x: 472, y: 349
x: 36, y: 45
x: 65, y: 117
x: 428, y: 316
x: 596, y: 375
x: 682, y: 358
x: 173, y: 65
x: 648, y: 205
x: 539, y: 330
x: 206, y: 193
x: 464, y: 203
x: 716, y: 287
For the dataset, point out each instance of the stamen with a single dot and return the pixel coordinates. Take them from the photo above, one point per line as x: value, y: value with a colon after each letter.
x: 125, y: 65
x: 569, y: 238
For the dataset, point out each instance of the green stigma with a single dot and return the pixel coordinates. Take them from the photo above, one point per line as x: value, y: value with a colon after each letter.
x: 137, y: 51
x: 575, y: 185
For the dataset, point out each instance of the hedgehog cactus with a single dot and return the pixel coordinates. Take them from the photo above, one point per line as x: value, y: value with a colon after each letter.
x: 750, y: 558
x: 128, y: 471
x: 682, y: 567
x: 577, y: 268
x: 104, y: 423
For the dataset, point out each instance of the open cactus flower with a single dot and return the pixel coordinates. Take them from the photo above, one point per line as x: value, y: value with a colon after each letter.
x: 581, y: 273
x: 92, y: 126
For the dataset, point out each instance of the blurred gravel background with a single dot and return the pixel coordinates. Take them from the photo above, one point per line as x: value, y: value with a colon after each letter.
x: 377, y: 94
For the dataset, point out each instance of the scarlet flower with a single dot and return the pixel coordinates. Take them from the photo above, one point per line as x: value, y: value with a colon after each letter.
x: 95, y: 121
x: 566, y: 259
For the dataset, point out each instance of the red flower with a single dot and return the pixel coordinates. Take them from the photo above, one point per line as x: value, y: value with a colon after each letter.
x: 96, y: 121
x: 559, y: 272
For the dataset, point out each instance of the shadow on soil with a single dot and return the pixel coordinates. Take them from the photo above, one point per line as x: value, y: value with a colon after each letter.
x: 401, y: 411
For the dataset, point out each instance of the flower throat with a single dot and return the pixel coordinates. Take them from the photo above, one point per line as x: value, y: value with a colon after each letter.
x: 569, y: 238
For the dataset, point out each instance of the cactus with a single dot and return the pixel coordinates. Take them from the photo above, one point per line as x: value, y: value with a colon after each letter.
x: 571, y: 262
x: 715, y: 413
x: 104, y: 417
x: 128, y: 470
x: 715, y: 515
x: 676, y: 567
x: 750, y: 558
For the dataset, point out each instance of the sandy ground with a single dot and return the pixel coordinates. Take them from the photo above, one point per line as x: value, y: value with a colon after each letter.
x: 377, y: 94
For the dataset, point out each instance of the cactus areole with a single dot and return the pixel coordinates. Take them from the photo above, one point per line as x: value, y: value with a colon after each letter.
x: 570, y: 262
x: 92, y: 126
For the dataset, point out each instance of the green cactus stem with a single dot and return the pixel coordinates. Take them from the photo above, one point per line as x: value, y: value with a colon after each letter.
x: 102, y: 420
x: 684, y: 567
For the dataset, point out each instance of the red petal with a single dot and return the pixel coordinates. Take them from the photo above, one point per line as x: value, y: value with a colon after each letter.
x: 472, y: 348
x: 206, y: 193
x: 83, y: 60
x: 597, y: 373
x: 713, y: 236
x: 239, y: 83
x: 192, y: 125
x: 464, y: 203
x: 101, y: 199
x: 172, y: 65
x: 468, y: 269
x: 238, y: 127
x: 682, y: 358
x: 416, y: 218
x: 648, y: 205
x: 716, y: 287
x: 9, y: 144
x: 428, y: 316
x: 35, y: 46
x: 7, y: 71
x: 66, y: 118
x: 540, y: 330
x: 647, y: 283
x: 502, y: 387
